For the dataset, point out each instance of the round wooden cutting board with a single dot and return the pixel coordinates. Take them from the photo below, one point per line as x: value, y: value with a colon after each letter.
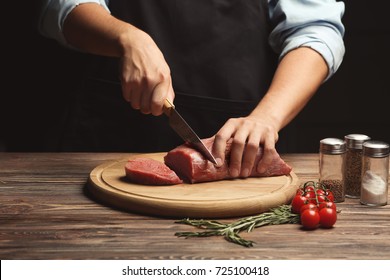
x: 220, y: 199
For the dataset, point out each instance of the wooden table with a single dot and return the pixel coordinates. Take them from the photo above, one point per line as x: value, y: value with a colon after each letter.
x: 46, y: 213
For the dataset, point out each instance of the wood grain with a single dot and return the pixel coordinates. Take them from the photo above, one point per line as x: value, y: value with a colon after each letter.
x: 218, y: 199
x: 47, y: 213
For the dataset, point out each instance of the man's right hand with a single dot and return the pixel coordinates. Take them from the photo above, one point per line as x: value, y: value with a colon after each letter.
x: 144, y: 73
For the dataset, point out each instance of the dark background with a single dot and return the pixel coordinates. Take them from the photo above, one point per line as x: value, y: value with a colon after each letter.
x: 38, y: 74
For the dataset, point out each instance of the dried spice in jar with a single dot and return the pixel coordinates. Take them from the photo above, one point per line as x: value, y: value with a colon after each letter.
x: 353, y: 164
x: 337, y: 188
x: 332, y: 155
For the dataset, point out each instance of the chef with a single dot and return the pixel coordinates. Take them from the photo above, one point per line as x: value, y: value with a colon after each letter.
x: 235, y: 69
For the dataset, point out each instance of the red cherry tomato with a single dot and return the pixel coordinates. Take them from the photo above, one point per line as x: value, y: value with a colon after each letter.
x: 311, y: 195
x: 321, y: 196
x: 328, y: 217
x: 309, y: 205
x: 309, y: 188
x: 310, y: 219
x: 329, y: 194
x: 297, y: 202
x: 327, y: 204
x: 320, y: 192
x: 300, y: 191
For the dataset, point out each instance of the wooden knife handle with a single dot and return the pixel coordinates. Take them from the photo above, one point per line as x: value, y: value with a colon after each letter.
x: 168, y: 105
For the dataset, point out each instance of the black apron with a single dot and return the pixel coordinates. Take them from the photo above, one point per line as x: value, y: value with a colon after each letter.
x: 221, y: 66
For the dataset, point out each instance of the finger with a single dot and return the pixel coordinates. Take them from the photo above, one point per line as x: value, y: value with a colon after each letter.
x: 161, y: 92
x: 146, y: 97
x: 127, y: 83
x: 269, y: 154
x: 236, y: 153
x: 219, y: 148
x: 131, y: 91
x: 220, y: 142
x: 135, y: 97
x: 126, y: 92
x: 250, y: 153
x: 154, y: 95
x: 171, y: 93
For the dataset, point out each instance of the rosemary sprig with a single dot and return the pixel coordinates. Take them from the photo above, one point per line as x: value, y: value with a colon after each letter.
x: 230, y: 231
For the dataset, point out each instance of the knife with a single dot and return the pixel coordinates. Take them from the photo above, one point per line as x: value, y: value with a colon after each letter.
x: 181, y: 127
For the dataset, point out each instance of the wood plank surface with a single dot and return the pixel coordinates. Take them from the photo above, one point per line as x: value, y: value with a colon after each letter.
x: 46, y: 213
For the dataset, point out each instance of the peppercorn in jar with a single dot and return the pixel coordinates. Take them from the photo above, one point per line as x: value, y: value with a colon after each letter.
x: 353, y: 164
x: 331, y: 163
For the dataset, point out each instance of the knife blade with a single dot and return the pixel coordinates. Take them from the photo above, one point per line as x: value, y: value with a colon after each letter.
x: 182, y: 128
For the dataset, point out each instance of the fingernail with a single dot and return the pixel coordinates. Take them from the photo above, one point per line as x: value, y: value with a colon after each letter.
x: 245, y: 172
x: 262, y: 170
x: 234, y: 172
x: 219, y: 162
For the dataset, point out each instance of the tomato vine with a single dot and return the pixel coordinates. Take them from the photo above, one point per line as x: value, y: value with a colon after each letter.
x: 315, y: 205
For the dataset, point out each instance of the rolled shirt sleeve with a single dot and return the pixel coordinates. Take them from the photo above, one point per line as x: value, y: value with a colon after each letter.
x: 315, y: 23
x: 53, y: 14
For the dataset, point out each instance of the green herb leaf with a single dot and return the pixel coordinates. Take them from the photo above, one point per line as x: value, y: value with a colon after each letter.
x: 230, y: 231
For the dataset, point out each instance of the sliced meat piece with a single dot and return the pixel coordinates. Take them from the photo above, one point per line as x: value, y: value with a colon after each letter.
x: 193, y: 167
x: 147, y: 171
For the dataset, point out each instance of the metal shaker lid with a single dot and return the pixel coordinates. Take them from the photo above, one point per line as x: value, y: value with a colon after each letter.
x: 355, y: 141
x: 332, y: 146
x: 376, y: 149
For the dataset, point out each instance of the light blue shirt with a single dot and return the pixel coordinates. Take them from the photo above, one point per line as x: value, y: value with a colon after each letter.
x: 312, y: 23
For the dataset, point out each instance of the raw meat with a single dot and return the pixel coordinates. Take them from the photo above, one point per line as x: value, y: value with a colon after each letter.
x: 193, y: 167
x: 148, y: 171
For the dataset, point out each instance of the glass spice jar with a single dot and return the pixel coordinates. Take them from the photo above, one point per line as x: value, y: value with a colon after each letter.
x: 353, y: 164
x: 331, y: 163
x: 375, y: 173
